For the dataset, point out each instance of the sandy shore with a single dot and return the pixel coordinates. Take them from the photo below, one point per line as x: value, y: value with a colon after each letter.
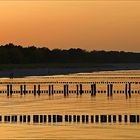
x: 57, y: 71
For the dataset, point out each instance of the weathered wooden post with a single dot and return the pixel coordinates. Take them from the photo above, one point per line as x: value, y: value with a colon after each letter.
x: 138, y: 118
x: 52, y: 89
x: 87, y: 118
x: 74, y: 118
x: 114, y: 119
x: 109, y: 118
x: 11, y: 90
x: 81, y: 90
x: 120, y: 118
x: 83, y: 118
x: 8, y: 90
x: 24, y: 118
x: 28, y: 118
x: 103, y: 118
x: 96, y: 118
x: 92, y: 118
x: 21, y: 89
x: 39, y: 90
x: 78, y: 118
x: 49, y: 119
x: 132, y: 118
x: 24, y: 89
x: 70, y: 118
x: 93, y: 89
x: 126, y: 90
x: 66, y: 118
x: 108, y: 90
x: 111, y: 89
x: 125, y: 118
x: 77, y: 90
x: 129, y: 90
x: 65, y: 91
x: 34, y: 90
x: 41, y: 118
x: 35, y: 118
x: 54, y: 118
x: 49, y: 90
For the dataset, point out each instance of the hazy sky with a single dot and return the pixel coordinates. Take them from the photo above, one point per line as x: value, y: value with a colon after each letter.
x: 98, y: 25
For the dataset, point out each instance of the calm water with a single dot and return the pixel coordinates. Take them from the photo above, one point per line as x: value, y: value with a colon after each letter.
x: 85, y: 104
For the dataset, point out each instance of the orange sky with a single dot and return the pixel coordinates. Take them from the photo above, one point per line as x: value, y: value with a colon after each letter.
x: 99, y: 25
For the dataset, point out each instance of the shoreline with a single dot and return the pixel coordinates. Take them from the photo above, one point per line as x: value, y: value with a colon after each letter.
x: 25, y: 72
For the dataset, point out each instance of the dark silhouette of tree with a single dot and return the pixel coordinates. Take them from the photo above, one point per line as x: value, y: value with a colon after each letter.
x: 16, y: 54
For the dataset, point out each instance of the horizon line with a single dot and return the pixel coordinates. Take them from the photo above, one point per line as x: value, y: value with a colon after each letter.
x: 84, y: 49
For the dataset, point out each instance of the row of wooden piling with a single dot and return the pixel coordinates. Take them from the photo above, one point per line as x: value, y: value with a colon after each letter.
x: 70, y: 118
x: 79, y: 90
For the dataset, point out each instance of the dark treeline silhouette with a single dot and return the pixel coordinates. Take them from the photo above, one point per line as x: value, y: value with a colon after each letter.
x: 15, y: 54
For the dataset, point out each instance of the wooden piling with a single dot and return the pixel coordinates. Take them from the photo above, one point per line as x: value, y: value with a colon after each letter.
x: 59, y: 118
x: 114, y: 119
x: 70, y: 118
x: 119, y: 118
x: 28, y: 118
x: 54, y: 118
x: 24, y: 118
x: 34, y: 90
x: 77, y: 90
x: 103, y: 118
x: 35, y: 118
x: 20, y: 118
x: 108, y: 90
x: 132, y: 118
x: 78, y: 118
x: 109, y: 118
x: 45, y: 118
x: 24, y: 90
x: 125, y: 118
x: 8, y: 90
x: 52, y: 89
x: 81, y: 90
x: 83, y: 118
x: 74, y: 118
x: 93, y: 89
x: 49, y: 119
x: 65, y: 90
x: 0, y: 118
x: 49, y: 90
x: 39, y: 90
x: 92, y: 118
x: 96, y: 118
x: 129, y: 90
x: 87, y: 118
x: 41, y: 118
x: 126, y: 90
x: 21, y: 89
x: 66, y: 118
x: 138, y: 118
x: 111, y: 89
x: 11, y: 90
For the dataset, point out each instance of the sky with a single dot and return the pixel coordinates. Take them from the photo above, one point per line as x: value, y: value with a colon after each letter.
x: 90, y: 25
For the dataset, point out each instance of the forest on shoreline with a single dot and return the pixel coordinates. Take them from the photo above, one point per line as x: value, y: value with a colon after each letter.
x: 16, y: 54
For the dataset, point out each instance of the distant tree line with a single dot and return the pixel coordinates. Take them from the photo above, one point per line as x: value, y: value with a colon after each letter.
x: 15, y: 54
